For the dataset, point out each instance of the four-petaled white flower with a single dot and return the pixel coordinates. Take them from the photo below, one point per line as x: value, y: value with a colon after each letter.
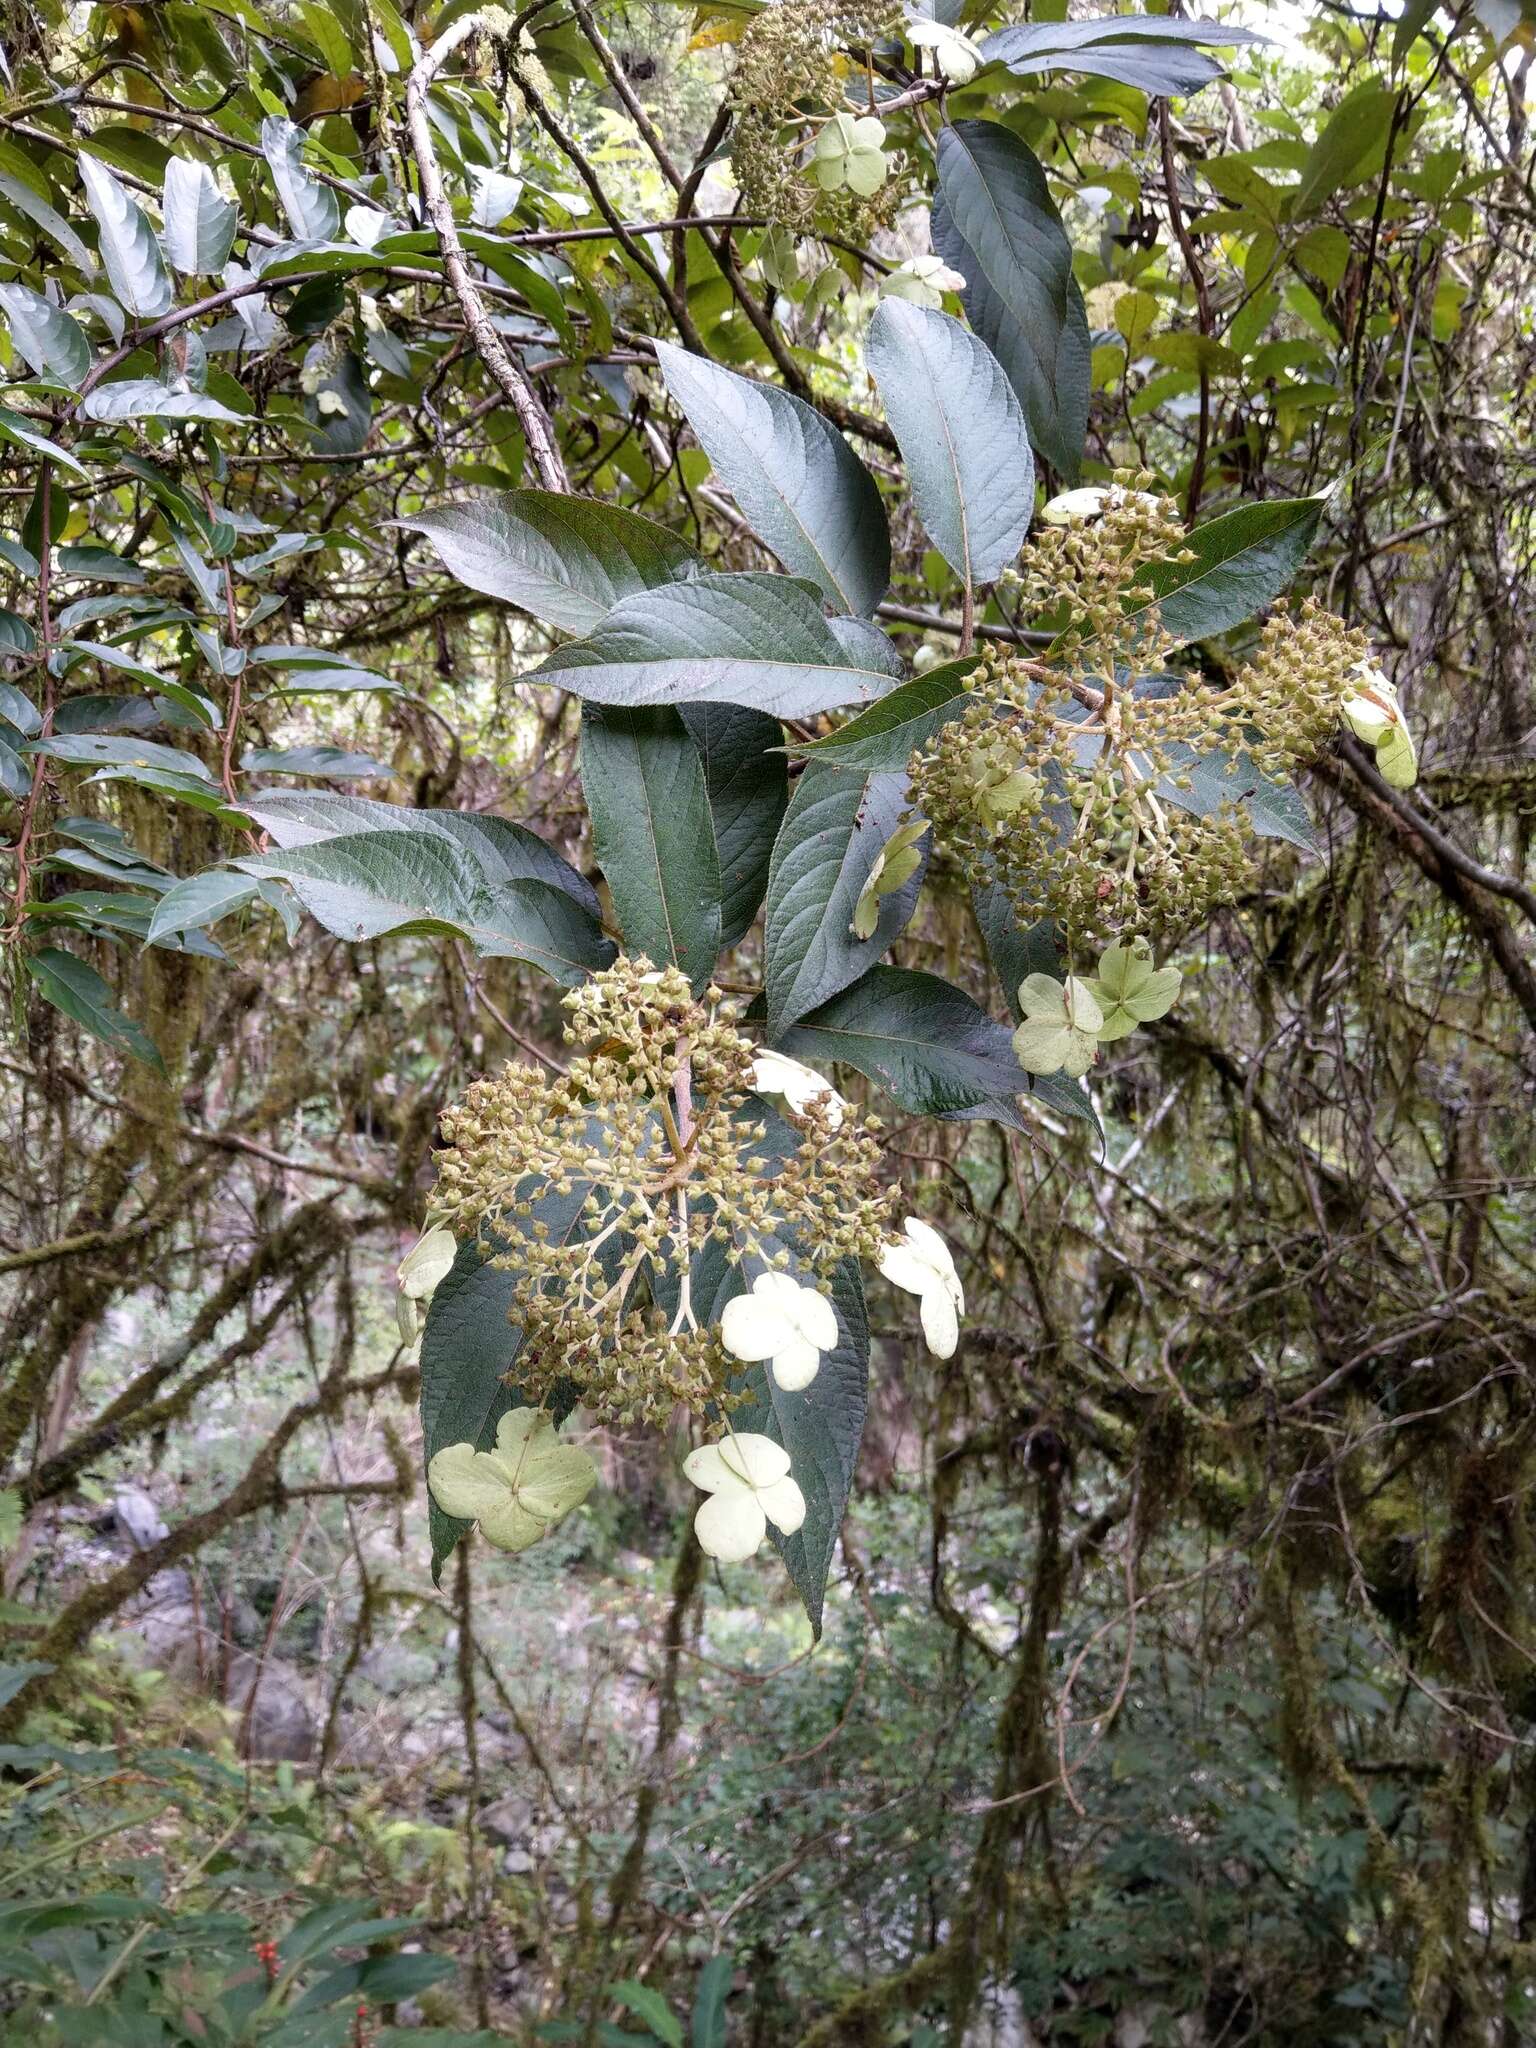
x: 775, y: 1073
x: 428, y: 1261
x: 783, y: 1321
x: 747, y: 1479
x: 922, y: 281
x: 1060, y: 1031
x: 957, y: 58
x: 518, y: 1490
x: 1373, y: 714
x: 851, y: 152
x: 924, y: 1266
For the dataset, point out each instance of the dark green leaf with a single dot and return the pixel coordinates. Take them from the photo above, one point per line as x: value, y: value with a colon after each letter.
x: 79, y: 991
x: 833, y: 832
x: 749, y: 639
x: 1349, y: 150
x: 1243, y: 561
x: 652, y: 829
x: 883, y: 738
x: 14, y: 1676
x: 747, y: 781
x: 565, y: 560
x: 961, y: 433
x: 1155, y: 53
x: 1275, y: 809
x: 14, y: 428
x: 199, y: 900
x: 799, y: 484
x: 714, y: 1987
x: 925, y: 1043
x: 995, y: 222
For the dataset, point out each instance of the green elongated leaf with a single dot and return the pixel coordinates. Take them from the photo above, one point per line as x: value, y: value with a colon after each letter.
x: 747, y: 639
x: 199, y: 221
x: 334, y: 763
x: 146, y: 398
x: 961, y: 432
x: 747, y: 782
x: 14, y: 428
x: 37, y: 209
x: 503, y: 851
x: 130, y: 253
x: 566, y: 561
x: 1154, y: 53
x: 383, y: 1978
x: 468, y: 1346
x: 647, y: 2004
x: 798, y: 483
x: 881, y: 740
x: 313, y: 211
x: 14, y: 1676
x: 52, y: 343
x: 820, y: 1427
x: 371, y: 885
x: 1349, y: 149
x: 17, y: 709
x: 201, y: 707
x: 651, y: 825
x: 925, y: 1043
x: 1202, y: 783
x: 714, y: 1988
x: 102, y: 750
x: 995, y: 222
x: 199, y: 901
x: 1411, y: 24
x: 832, y: 834
x: 79, y: 991
x: 1243, y: 561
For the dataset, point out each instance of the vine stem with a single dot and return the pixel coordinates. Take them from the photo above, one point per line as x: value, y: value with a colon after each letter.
x: 534, y: 420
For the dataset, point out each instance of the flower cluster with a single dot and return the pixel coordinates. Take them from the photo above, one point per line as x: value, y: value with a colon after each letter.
x: 787, y: 91
x: 1067, y: 779
x: 599, y: 1189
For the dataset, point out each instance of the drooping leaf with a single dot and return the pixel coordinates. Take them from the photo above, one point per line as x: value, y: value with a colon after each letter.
x: 565, y: 560
x: 749, y: 639
x: 146, y: 398
x: 651, y: 826
x: 52, y: 343
x: 1243, y: 560
x: 961, y: 432
x: 199, y: 901
x: 371, y: 885
x: 313, y: 210
x: 14, y: 428
x: 833, y: 832
x: 199, y: 220
x: 747, y: 782
x: 130, y: 252
x: 799, y: 484
x: 995, y: 222
x: 79, y: 991
x: 1154, y: 53
x: 920, y: 1039
x: 883, y: 738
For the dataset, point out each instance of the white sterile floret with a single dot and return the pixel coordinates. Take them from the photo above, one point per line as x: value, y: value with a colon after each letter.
x: 851, y: 152
x: 518, y: 1490
x: 782, y: 1321
x: 429, y: 1260
x: 958, y: 59
x: 924, y: 1266
x: 747, y: 1479
x: 922, y: 281
x: 775, y: 1073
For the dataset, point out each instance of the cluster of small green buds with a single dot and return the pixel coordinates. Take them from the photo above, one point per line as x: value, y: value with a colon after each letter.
x: 1067, y: 779
x: 1065, y: 1022
x: 598, y: 1188
x: 789, y: 89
